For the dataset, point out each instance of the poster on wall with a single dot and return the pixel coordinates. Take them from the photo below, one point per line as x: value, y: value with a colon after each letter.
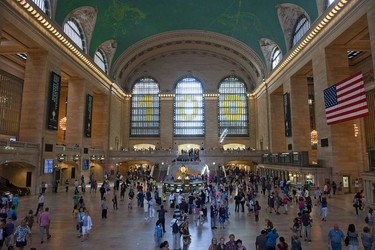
x: 287, y: 116
x: 85, y: 164
x: 53, y: 105
x: 48, y: 166
x: 88, y: 115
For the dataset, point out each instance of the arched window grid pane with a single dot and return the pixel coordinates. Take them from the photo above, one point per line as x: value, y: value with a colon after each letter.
x: 189, y: 108
x: 276, y: 57
x: 100, y: 60
x: 44, y: 5
x: 72, y: 29
x: 303, y: 25
x: 145, y: 112
x: 233, y: 108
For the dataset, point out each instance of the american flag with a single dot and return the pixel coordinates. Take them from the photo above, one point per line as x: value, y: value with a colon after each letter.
x: 346, y: 100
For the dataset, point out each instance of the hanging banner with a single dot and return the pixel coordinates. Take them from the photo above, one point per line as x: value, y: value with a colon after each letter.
x: 54, y: 97
x: 287, y: 116
x: 88, y: 115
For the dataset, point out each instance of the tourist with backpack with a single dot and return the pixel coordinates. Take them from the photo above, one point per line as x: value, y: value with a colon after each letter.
x: 175, y: 225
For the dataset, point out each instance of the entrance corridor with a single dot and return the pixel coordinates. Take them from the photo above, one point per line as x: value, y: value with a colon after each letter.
x: 127, y: 229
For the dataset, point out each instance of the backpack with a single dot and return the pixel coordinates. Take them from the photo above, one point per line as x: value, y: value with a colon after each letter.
x: 366, y: 219
x: 175, y: 227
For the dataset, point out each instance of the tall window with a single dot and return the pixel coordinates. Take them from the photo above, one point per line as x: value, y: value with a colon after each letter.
x: 303, y: 25
x: 73, y: 30
x: 276, y: 57
x: 233, y: 118
x: 100, y: 60
x: 145, y: 113
x: 44, y: 5
x: 189, y: 108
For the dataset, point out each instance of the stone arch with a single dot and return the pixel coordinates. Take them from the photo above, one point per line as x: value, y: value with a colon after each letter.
x: 267, y: 46
x: 86, y: 16
x: 189, y: 42
x: 288, y: 16
x: 109, y: 48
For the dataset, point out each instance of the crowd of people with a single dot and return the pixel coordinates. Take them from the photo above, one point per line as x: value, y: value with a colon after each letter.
x: 211, y: 204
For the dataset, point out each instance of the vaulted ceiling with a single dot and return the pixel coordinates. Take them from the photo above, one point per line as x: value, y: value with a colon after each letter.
x: 130, y: 21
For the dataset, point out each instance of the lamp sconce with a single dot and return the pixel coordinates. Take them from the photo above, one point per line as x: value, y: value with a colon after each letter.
x: 93, y: 158
x: 76, y: 157
x: 61, y: 157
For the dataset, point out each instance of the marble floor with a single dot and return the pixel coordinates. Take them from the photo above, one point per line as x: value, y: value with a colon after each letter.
x: 127, y: 229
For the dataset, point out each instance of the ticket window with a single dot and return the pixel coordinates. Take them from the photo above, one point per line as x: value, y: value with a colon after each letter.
x: 345, y: 184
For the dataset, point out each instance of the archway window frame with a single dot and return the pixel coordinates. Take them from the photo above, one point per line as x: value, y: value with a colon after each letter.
x: 276, y: 57
x: 75, y: 32
x: 300, y: 29
x: 100, y: 58
x: 233, y: 118
x: 44, y: 5
x: 145, y: 108
x: 188, y: 117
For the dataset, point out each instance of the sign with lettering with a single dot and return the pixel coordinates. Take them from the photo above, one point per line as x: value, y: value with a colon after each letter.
x: 54, y: 97
x: 88, y: 115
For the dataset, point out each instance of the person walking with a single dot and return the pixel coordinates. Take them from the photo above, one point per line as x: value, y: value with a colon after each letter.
x: 176, y: 233
x: 157, y: 234
x: 271, y: 239
x: 185, y: 233
x: 213, y: 215
x: 335, y: 237
x: 261, y: 241
x: 44, y: 223
x: 40, y: 203
x: 282, y: 244
x: 66, y: 185
x: 306, y: 222
x: 324, y: 208
x: 22, y: 235
x: 86, y: 226
x: 353, y: 237
x: 104, y: 208
x: 367, y: 239
x: 161, y: 216
x: 370, y: 220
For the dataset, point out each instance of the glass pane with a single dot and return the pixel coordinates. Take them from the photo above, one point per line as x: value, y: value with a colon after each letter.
x: 188, y: 109
x: 233, y: 108
x: 145, y: 119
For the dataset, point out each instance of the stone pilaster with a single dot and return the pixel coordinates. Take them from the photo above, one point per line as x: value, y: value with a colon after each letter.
x: 300, y: 114
x: 100, y: 121
x: 211, y: 119
x: 166, y: 122
x: 278, y: 141
x: 76, y: 112
x: 35, y: 98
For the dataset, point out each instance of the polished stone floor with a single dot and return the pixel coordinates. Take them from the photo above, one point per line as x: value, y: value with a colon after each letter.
x: 127, y: 229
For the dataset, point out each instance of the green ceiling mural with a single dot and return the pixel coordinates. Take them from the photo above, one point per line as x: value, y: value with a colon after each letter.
x: 129, y: 21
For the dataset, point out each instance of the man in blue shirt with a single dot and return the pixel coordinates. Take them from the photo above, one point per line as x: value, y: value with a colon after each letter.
x: 335, y: 237
x: 271, y: 239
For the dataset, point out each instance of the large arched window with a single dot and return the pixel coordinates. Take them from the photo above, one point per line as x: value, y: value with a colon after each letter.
x: 233, y: 118
x: 189, y: 108
x: 145, y: 114
x: 73, y: 30
x: 101, y: 60
x: 303, y: 25
x: 44, y: 5
x: 275, y: 57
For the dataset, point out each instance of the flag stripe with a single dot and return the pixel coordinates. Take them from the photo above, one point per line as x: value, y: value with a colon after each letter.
x: 346, y: 100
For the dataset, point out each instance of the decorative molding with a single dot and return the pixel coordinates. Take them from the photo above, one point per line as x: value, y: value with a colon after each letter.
x: 267, y: 46
x: 86, y: 16
x: 288, y: 15
x: 109, y: 48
